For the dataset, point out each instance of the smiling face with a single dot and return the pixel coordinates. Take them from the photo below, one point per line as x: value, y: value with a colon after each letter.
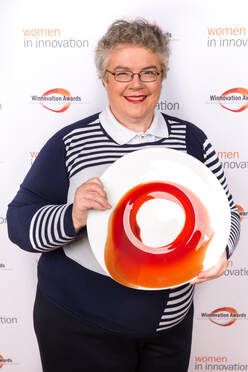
x: 133, y: 103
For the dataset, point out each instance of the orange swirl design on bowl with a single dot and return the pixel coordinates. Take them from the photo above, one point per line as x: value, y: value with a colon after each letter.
x: 132, y: 263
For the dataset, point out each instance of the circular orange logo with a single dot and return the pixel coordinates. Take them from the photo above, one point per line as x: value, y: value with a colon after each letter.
x: 230, y: 311
x: 239, y: 91
x: 1, y: 360
x: 241, y: 211
x: 63, y: 93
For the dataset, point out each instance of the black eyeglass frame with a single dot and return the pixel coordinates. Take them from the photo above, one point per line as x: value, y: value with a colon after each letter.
x: 132, y: 76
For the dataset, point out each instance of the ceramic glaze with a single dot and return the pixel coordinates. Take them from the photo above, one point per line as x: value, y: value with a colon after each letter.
x: 134, y: 264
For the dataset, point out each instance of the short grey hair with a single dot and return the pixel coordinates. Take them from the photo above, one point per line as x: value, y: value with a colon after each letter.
x: 138, y: 32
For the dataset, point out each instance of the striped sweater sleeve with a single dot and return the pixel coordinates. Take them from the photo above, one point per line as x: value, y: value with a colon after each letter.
x: 39, y: 218
x: 212, y: 162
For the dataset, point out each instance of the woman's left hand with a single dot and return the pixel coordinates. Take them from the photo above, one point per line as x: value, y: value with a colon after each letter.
x: 214, y: 272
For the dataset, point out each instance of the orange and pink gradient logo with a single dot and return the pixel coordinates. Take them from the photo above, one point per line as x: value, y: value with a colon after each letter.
x: 1, y: 361
x: 236, y: 95
x: 229, y: 316
x: 241, y: 211
x: 62, y: 95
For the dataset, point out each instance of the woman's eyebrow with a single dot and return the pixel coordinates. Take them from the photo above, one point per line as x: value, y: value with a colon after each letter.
x: 149, y: 67
x: 127, y: 68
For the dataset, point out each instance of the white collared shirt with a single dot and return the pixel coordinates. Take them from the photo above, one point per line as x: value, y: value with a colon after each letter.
x: 122, y: 135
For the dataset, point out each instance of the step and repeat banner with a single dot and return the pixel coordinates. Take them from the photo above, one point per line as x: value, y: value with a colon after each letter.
x: 47, y: 50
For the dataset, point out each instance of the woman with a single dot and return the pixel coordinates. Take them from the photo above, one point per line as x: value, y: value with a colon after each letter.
x: 84, y: 320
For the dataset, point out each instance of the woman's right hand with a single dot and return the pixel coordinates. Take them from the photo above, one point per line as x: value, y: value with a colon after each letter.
x: 89, y: 195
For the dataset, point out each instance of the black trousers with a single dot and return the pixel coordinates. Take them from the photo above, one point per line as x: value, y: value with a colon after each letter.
x: 67, y: 345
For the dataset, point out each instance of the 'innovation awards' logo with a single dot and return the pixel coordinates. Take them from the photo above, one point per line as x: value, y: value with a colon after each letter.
x: 235, y: 99
x: 224, y: 316
x: 4, y: 361
x: 242, y: 212
x: 57, y: 100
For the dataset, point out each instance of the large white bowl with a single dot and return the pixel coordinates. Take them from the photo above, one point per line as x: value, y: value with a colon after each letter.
x: 164, y: 165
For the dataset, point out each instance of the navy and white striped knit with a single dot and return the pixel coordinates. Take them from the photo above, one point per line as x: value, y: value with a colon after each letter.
x: 39, y: 220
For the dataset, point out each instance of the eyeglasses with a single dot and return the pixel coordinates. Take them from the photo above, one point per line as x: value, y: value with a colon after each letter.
x: 147, y: 76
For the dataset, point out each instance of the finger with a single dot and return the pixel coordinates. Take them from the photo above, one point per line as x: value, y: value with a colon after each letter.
x: 210, y: 274
x: 201, y: 279
x: 214, y: 272
x: 197, y: 281
x: 95, y: 181
x: 90, y: 190
x: 96, y: 185
x: 95, y: 204
x: 95, y: 189
x: 79, y: 215
x: 95, y: 197
x: 203, y: 276
x: 82, y: 212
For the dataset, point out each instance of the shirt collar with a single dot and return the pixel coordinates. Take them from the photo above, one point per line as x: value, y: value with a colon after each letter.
x: 122, y: 134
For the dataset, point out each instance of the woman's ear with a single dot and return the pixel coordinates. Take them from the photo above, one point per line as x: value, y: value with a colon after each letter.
x: 105, y: 80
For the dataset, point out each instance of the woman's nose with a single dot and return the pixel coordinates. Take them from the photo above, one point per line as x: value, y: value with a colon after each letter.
x: 136, y: 82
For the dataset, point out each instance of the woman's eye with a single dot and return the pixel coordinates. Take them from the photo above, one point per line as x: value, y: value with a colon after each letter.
x: 147, y: 73
x: 122, y: 74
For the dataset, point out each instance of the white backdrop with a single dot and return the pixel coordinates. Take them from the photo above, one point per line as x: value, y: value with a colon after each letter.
x: 48, y: 45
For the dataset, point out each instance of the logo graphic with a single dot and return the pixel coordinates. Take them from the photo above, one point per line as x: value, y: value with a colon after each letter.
x: 235, y: 100
x: 4, y: 361
x: 228, y: 313
x: 235, y: 96
x: 224, y: 316
x: 57, y: 95
x: 57, y: 100
x: 242, y: 212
